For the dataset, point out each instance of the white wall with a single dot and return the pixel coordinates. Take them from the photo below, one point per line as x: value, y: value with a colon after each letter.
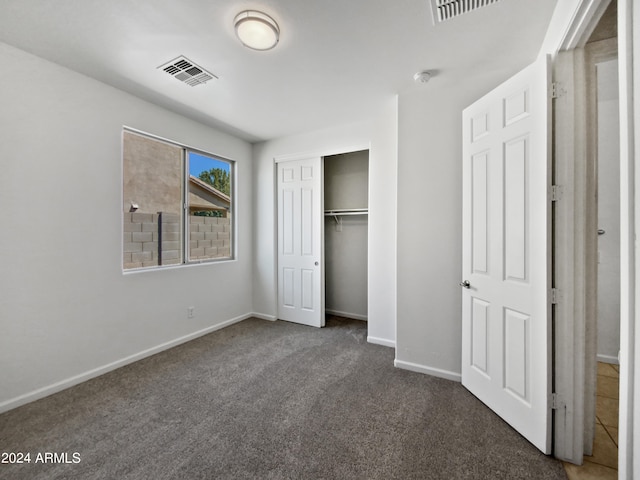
x: 430, y: 210
x: 67, y: 312
x: 346, y: 180
x: 429, y: 331
x: 346, y: 185
x: 608, y: 212
x: 379, y: 136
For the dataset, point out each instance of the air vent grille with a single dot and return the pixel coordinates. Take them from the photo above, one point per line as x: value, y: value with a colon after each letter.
x: 447, y: 9
x: 187, y: 71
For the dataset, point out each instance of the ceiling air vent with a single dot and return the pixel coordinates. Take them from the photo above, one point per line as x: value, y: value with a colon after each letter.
x: 447, y: 9
x: 187, y: 71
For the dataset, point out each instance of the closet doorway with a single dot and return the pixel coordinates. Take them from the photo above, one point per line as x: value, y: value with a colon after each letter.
x: 346, y: 231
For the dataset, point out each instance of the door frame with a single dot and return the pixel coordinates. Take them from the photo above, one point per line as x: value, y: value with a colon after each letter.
x: 629, y: 72
x: 571, y: 224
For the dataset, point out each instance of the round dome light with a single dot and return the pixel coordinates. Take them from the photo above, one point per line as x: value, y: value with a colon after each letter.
x: 257, y: 30
x: 423, y: 77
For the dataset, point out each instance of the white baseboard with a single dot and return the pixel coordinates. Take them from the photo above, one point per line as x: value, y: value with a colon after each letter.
x: 381, y: 341
x: 263, y: 316
x: 96, y: 372
x: 608, y: 359
x: 355, y: 316
x: 435, y: 372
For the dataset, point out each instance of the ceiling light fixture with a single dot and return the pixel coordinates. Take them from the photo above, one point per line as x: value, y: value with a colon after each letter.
x: 257, y: 30
x: 423, y: 77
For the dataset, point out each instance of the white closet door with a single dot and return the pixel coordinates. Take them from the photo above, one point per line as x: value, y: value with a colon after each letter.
x: 300, y: 242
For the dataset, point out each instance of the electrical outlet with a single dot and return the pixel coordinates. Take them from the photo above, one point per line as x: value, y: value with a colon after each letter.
x: 191, y: 312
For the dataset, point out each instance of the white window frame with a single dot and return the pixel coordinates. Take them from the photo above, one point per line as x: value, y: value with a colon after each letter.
x: 185, y: 205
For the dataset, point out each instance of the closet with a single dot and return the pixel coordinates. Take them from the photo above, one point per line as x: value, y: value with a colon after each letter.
x: 346, y: 200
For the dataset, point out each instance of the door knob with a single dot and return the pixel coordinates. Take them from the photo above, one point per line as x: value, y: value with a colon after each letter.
x: 601, y: 232
x: 465, y: 284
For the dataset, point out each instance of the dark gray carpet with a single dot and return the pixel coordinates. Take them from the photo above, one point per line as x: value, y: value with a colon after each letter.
x: 269, y: 400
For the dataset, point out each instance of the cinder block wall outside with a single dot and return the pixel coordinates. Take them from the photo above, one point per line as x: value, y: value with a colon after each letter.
x: 210, y: 237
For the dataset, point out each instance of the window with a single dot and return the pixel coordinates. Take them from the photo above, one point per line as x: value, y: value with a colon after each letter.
x: 177, y: 204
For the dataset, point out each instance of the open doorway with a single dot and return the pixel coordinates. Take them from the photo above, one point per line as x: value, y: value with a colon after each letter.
x: 587, y: 257
x: 573, y: 332
x: 603, y: 159
x: 346, y: 207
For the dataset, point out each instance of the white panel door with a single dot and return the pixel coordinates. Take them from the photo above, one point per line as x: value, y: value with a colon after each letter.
x: 506, y: 317
x: 300, y: 246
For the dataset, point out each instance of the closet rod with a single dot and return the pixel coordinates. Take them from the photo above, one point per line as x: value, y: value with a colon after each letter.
x: 345, y: 211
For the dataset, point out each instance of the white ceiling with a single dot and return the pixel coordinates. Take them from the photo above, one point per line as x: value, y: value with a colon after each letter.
x: 336, y: 62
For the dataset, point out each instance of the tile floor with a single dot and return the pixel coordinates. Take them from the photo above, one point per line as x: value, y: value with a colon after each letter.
x: 603, y: 464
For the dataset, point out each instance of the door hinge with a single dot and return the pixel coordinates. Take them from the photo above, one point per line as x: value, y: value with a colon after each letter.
x: 556, y: 401
x: 556, y: 193
x: 557, y: 90
x: 555, y: 296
